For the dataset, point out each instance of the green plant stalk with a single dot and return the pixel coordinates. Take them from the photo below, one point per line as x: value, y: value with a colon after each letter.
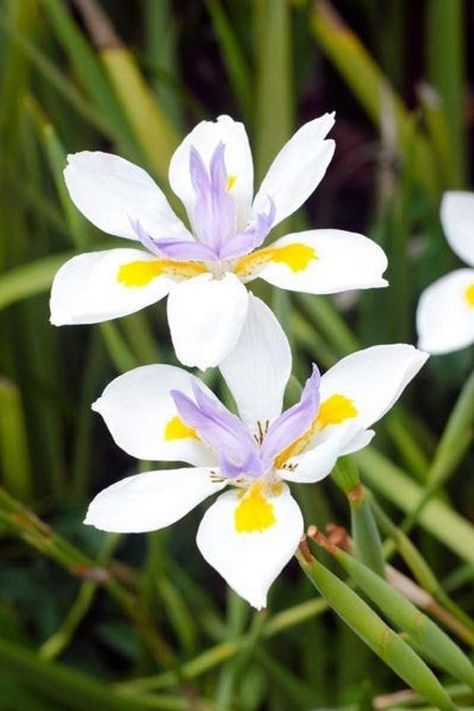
x: 34, y: 532
x: 88, y: 69
x: 448, y: 527
x: 15, y: 464
x: 151, y: 127
x: 454, y: 443
x: 59, y: 682
x: 226, y: 650
x: 57, y: 643
x: 57, y: 80
x: 447, y: 73
x: 462, y: 625
x: 275, y: 106
x: 437, y: 127
x: 35, y: 277
x: 386, y: 644
x: 236, y: 64
x: 161, y: 40
x: 368, y: 545
x: 430, y: 639
x: 323, y: 312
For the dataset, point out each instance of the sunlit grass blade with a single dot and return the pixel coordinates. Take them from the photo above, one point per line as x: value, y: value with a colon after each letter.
x: 396, y: 653
x: 15, y: 462
x: 446, y: 525
x: 275, y: 103
x: 151, y: 127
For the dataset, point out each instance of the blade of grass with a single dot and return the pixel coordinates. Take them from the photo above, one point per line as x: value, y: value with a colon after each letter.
x: 14, y: 452
x: 151, y: 127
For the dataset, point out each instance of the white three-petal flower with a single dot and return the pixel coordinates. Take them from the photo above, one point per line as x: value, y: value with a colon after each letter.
x: 204, y: 270
x: 445, y: 314
x: 250, y: 532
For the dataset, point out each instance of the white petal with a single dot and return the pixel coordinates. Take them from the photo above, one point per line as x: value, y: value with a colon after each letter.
x: 137, y: 408
x: 205, y: 137
x: 317, y: 462
x: 149, y: 501
x: 342, y: 261
x: 86, y: 289
x: 258, y: 367
x: 358, y: 442
x: 250, y: 562
x: 457, y: 216
x: 110, y: 191
x: 445, y: 317
x: 373, y: 378
x: 297, y: 169
x: 205, y: 317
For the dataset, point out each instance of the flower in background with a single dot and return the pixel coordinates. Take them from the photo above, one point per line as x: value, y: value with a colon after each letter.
x: 445, y: 314
x: 249, y: 533
x: 204, y: 269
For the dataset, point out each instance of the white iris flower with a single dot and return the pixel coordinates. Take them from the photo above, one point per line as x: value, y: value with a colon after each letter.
x: 445, y: 314
x: 161, y: 412
x: 204, y: 269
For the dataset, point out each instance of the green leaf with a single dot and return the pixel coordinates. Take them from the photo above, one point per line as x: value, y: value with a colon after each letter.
x: 381, y: 639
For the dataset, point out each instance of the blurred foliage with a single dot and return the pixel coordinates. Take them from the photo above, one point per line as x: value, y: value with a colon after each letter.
x: 89, y: 621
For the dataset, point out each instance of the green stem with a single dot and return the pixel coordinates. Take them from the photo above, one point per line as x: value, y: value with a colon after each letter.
x: 37, y: 534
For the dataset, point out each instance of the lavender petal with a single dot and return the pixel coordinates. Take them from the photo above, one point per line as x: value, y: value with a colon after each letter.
x: 237, y: 451
x: 214, y: 213
x: 252, y: 237
x: 293, y: 423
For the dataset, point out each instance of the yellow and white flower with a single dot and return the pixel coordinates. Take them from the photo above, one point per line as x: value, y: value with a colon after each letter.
x: 445, y: 314
x: 249, y: 533
x: 204, y: 269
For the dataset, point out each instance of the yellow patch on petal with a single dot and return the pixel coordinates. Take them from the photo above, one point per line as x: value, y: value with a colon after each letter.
x: 296, y: 256
x: 177, y: 429
x: 469, y: 294
x: 231, y: 181
x: 141, y: 273
x: 336, y: 409
x: 254, y: 513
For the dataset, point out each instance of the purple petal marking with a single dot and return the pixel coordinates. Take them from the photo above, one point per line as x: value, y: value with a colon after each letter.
x: 185, y: 250
x: 214, y: 214
x: 293, y: 423
x: 172, y: 248
x: 238, y: 453
x: 252, y: 237
x: 146, y: 240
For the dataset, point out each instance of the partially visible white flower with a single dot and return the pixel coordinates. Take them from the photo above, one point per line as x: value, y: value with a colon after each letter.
x: 445, y: 314
x: 204, y: 269
x: 250, y: 532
